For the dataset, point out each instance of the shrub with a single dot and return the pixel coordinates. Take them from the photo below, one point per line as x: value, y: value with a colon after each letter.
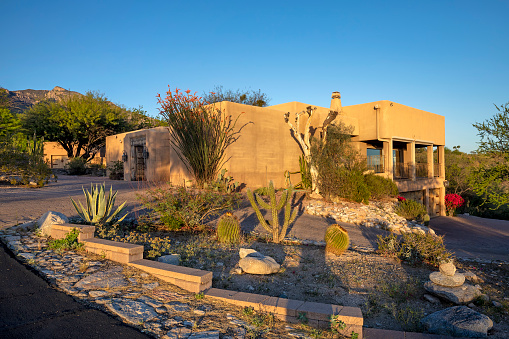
x: 70, y: 242
x: 452, y: 202
x: 224, y: 183
x: 380, y: 187
x: 152, y: 246
x: 76, y: 166
x: 410, y: 209
x: 185, y: 207
x: 200, y: 134
x: 340, y: 167
x: 428, y: 248
x: 116, y: 170
x: 22, y: 160
x: 415, y: 248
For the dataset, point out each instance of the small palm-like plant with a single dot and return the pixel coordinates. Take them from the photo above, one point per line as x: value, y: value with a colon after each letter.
x: 99, y: 209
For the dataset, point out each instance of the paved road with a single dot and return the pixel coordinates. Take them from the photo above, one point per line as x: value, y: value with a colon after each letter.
x: 30, y: 308
x: 474, y: 237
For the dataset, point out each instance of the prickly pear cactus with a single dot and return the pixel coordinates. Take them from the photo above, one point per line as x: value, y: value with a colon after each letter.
x: 336, y: 239
x: 228, y: 229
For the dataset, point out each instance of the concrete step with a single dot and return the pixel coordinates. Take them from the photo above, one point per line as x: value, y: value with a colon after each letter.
x: 114, y: 250
x: 190, y: 279
x: 294, y: 311
x: 60, y: 231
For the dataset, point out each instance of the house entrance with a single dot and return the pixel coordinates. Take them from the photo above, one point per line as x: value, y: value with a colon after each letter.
x: 139, y: 170
x: 138, y: 163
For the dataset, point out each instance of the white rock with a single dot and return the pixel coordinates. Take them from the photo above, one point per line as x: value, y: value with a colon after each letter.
x: 49, y: 218
x: 243, y: 252
x: 259, y: 264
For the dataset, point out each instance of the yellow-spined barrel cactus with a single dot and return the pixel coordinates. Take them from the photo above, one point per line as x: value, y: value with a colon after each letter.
x: 228, y: 229
x: 336, y: 239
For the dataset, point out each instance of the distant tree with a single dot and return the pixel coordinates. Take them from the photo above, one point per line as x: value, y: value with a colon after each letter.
x: 490, y: 178
x: 4, y: 98
x: 9, y: 124
x: 247, y: 97
x: 494, y: 132
x: 78, y: 123
x: 138, y: 119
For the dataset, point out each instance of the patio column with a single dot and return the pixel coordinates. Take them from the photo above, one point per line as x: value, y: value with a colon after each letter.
x: 411, y: 163
x: 430, y: 161
x: 388, y: 159
x: 441, y: 161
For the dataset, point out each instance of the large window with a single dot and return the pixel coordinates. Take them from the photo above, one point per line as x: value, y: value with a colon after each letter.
x: 375, y: 160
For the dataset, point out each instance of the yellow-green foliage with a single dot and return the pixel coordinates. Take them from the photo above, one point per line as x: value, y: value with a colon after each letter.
x: 336, y: 239
x: 228, y: 229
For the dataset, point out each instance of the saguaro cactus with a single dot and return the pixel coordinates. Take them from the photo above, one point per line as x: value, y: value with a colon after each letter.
x: 278, y: 233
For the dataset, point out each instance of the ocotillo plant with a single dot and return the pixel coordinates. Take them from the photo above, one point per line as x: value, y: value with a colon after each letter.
x: 278, y: 233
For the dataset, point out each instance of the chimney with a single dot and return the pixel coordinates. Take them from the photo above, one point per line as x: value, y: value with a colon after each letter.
x: 335, y: 103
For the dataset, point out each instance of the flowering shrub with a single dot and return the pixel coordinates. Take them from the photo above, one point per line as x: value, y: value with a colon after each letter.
x: 200, y: 134
x: 453, y: 201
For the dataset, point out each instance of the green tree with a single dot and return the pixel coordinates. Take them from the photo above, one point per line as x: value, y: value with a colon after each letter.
x: 80, y: 123
x: 247, y: 97
x: 489, y: 180
x: 494, y: 132
x: 9, y: 124
x: 4, y: 98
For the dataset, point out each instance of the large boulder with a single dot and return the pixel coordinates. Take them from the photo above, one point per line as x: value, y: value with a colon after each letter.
x: 257, y: 263
x: 457, y: 295
x: 459, y: 321
x: 49, y: 218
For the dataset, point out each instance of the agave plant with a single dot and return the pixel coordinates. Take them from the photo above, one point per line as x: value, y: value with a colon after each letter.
x: 99, y: 207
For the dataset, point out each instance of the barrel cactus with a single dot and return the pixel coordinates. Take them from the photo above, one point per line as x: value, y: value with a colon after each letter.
x: 228, y: 229
x: 425, y: 219
x: 336, y: 239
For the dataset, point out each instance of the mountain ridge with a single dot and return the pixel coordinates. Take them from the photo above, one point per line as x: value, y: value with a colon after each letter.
x: 22, y: 100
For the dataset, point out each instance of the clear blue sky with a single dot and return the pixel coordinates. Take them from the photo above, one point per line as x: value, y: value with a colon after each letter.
x: 445, y: 57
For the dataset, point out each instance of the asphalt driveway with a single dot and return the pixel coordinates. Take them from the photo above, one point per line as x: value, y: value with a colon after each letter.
x: 474, y: 237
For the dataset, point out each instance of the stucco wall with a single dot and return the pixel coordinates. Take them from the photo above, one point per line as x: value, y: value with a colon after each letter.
x: 56, y: 155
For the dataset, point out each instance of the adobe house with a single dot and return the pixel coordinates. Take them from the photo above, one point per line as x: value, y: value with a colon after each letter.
x: 399, y: 142
x: 56, y: 156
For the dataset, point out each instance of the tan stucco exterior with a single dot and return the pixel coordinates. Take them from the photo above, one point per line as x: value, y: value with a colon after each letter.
x: 56, y: 155
x: 266, y: 147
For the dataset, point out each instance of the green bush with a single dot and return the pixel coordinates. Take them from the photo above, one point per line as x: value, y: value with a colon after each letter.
x: 410, y: 210
x: 185, y: 207
x: 415, y: 248
x: 340, y: 167
x: 380, y: 187
x: 116, y: 170
x: 76, y: 166
x: 22, y: 160
x: 70, y: 242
